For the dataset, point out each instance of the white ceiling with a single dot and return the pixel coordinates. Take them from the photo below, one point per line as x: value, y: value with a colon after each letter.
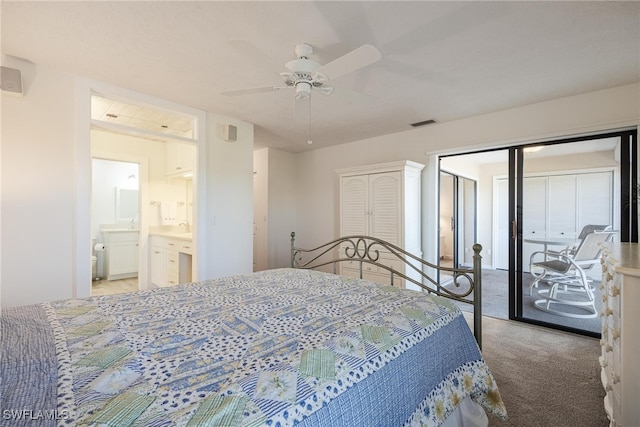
x: 440, y: 60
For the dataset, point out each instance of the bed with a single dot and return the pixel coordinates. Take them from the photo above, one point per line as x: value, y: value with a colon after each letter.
x: 289, y: 346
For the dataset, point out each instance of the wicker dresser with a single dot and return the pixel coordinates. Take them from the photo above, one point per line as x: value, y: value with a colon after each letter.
x: 620, y: 360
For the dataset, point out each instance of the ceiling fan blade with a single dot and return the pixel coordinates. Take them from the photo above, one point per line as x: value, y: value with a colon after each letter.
x: 356, y: 59
x: 249, y: 91
x: 325, y: 90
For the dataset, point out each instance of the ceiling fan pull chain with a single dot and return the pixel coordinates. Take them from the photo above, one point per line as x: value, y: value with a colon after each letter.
x: 309, y: 141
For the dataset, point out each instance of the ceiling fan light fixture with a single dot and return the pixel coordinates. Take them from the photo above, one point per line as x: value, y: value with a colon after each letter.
x: 303, y: 90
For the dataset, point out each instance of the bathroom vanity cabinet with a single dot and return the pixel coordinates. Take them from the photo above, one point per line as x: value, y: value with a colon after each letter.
x: 121, y: 253
x: 171, y: 260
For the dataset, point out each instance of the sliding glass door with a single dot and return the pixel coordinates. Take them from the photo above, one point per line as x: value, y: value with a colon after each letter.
x: 532, y: 201
x: 565, y: 197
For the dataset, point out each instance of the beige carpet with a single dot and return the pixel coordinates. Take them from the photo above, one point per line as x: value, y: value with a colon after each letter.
x: 546, y: 377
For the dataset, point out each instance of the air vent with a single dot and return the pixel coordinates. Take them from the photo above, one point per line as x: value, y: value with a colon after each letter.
x: 424, y: 123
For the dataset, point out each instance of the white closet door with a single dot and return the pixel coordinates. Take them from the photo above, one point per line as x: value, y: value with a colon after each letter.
x: 562, y: 206
x: 595, y: 202
x: 355, y: 205
x: 534, y: 209
x: 385, y: 207
x: 534, y: 215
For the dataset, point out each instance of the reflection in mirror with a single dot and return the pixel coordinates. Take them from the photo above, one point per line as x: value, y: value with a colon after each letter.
x: 126, y: 204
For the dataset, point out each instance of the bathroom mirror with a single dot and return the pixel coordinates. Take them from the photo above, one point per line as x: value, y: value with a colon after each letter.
x: 126, y: 204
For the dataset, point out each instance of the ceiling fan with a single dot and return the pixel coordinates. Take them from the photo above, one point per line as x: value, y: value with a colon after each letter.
x: 305, y: 75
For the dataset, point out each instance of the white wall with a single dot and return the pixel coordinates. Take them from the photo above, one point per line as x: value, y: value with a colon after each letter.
x: 38, y: 189
x: 228, y: 210
x: 282, y: 207
x: 44, y: 143
x: 261, y: 209
x: 317, y: 191
x: 275, y: 207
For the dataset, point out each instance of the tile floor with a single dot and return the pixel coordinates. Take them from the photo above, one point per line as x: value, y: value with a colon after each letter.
x: 108, y: 287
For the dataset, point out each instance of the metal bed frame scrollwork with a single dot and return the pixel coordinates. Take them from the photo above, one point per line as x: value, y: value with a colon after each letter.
x: 367, y: 250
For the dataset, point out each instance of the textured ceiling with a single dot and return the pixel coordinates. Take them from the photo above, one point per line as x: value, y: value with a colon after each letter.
x: 153, y: 121
x: 440, y: 60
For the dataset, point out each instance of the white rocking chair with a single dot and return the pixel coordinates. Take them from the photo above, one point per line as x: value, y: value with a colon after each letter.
x: 570, y: 293
x: 587, y: 229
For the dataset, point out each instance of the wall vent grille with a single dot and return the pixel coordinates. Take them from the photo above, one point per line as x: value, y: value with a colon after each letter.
x: 423, y: 123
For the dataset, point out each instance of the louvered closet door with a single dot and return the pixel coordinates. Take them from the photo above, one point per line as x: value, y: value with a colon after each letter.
x: 385, y: 207
x: 355, y: 205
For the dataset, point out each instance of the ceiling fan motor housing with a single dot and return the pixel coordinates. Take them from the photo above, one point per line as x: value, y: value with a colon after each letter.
x: 303, y: 50
x: 302, y: 66
x: 303, y: 75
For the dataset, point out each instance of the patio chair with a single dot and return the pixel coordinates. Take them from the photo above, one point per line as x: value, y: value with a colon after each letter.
x: 569, y: 250
x: 570, y: 293
x: 587, y: 229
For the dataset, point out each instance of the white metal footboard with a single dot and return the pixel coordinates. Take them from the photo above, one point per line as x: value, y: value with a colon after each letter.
x: 467, y: 282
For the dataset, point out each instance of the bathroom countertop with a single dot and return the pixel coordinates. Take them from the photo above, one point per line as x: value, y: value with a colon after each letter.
x: 119, y: 230
x: 173, y: 234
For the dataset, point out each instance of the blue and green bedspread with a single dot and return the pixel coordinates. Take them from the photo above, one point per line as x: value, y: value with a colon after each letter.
x: 277, y: 348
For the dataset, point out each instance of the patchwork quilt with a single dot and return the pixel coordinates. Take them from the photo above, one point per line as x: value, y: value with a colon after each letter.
x: 276, y: 348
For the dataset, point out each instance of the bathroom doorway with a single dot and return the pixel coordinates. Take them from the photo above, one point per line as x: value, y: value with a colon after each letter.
x: 162, y: 143
x: 115, y: 225
x: 117, y: 117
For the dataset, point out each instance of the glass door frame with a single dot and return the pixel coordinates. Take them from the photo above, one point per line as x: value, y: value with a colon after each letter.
x: 628, y: 208
x: 457, y: 182
x: 625, y: 207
